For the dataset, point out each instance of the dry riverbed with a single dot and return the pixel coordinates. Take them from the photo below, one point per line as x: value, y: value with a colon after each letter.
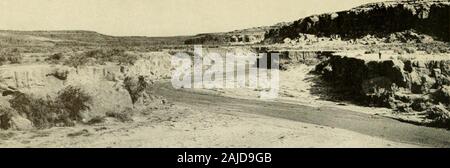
x: 183, y: 125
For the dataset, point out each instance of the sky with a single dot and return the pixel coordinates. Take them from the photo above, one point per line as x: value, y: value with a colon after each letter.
x: 159, y: 17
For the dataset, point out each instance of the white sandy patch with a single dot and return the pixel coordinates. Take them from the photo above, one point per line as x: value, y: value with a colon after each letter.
x: 196, y: 127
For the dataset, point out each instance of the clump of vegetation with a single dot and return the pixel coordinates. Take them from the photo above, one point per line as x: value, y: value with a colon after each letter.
x: 123, y: 116
x: 74, y: 100
x: 404, y: 50
x: 5, y: 116
x: 440, y: 116
x: 436, y: 49
x: 55, y: 58
x: 410, y: 50
x: 46, y: 113
x: 135, y: 87
x: 43, y: 113
x: 11, y: 56
x: 60, y: 74
x: 101, y: 56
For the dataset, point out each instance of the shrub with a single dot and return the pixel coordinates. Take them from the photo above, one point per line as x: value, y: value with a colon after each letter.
x: 55, y: 58
x: 42, y: 113
x: 443, y: 49
x: 12, y: 56
x: 45, y: 113
x: 15, y: 60
x: 171, y: 52
x: 5, y: 117
x: 135, y: 87
x: 74, y: 101
x: 440, y: 116
x: 124, y: 116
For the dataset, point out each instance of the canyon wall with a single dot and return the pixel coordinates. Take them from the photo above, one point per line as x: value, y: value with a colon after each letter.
x: 404, y: 85
x: 428, y: 17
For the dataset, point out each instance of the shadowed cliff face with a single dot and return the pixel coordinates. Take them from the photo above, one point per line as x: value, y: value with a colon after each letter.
x: 404, y: 85
x: 428, y: 17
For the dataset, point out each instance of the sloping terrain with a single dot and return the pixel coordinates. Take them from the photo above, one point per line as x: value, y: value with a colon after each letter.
x: 80, y: 38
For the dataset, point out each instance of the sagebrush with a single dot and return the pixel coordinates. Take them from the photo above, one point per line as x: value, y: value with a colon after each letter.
x: 64, y: 110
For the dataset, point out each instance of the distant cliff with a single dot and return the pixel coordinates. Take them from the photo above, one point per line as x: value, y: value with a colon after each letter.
x: 425, y: 16
x: 244, y: 36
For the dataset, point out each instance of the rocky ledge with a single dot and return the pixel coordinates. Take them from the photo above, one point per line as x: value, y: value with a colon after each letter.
x: 425, y: 16
x: 405, y: 85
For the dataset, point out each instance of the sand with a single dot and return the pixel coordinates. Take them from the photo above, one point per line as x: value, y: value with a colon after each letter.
x: 185, y: 126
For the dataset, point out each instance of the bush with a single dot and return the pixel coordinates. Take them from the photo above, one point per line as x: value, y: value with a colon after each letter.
x: 45, y: 113
x: 74, y: 101
x: 443, y: 49
x: 42, y: 113
x: 55, y: 58
x: 12, y: 56
x: 5, y: 116
x: 440, y: 116
x: 135, y: 87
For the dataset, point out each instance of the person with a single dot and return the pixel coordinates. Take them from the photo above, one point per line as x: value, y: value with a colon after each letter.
x: 379, y: 55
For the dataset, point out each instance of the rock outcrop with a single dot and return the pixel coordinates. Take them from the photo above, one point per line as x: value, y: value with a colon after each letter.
x: 245, y: 36
x: 293, y: 57
x: 105, y: 84
x: 381, y: 19
x: 227, y: 38
x: 404, y: 85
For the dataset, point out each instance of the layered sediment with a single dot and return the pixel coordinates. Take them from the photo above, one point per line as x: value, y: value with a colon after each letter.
x: 404, y: 85
x: 427, y: 17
